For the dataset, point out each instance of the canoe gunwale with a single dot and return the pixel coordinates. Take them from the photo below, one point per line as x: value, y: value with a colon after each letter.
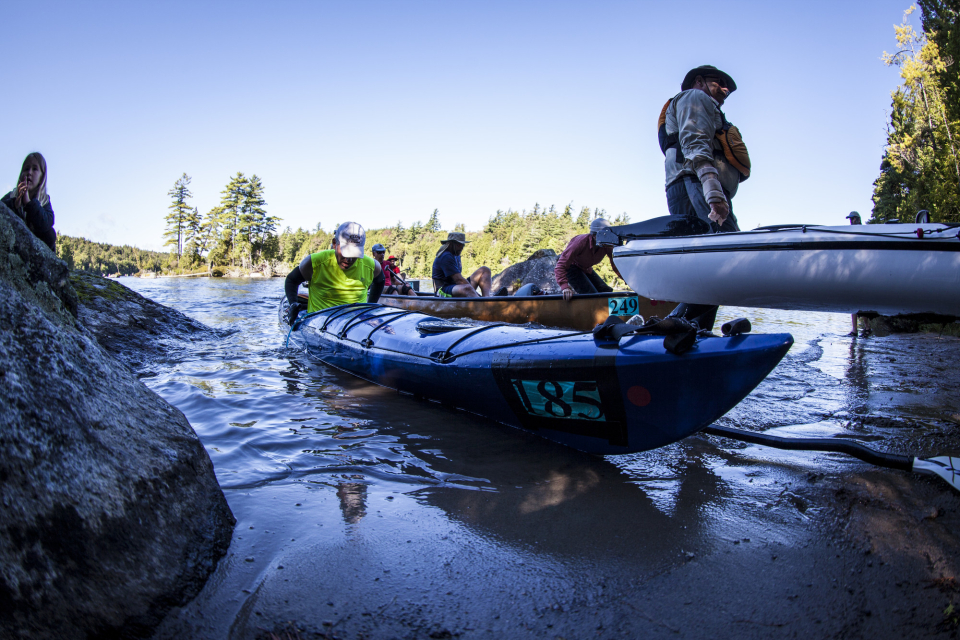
x: 492, y: 299
x: 938, y: 244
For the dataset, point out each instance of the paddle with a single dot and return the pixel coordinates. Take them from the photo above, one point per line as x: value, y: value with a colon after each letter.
x: 664, y: 226
x: 396, y: 275
x: 946, y: 467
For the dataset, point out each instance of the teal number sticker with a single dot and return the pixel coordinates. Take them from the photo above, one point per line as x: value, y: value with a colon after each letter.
x: 628, y: 306
x: 578, y: 400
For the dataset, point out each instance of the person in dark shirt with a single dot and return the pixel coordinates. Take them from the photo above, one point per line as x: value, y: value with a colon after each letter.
x: 30, y: 200
x: 447, y: 279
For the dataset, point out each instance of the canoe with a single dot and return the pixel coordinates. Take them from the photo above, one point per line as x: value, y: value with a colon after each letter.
x: 888, y: 269
x: 583, y: 312
x: 596, y: 395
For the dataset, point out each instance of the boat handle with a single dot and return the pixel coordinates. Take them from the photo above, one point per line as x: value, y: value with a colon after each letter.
x: 445, y: 356
x: 366, y: 343
x: 346, y: 309
x: 357, y: 319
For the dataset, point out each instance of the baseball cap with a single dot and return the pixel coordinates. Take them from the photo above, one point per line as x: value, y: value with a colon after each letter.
x: 854, y: 214
x: 597, y: 224
x: 378, y: 247
x: 351, y: 238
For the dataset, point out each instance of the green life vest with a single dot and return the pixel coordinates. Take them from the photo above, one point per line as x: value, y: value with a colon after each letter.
x: 330, y: 285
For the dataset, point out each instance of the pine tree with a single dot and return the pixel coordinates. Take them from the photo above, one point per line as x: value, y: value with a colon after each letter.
x: 177, y: 218
x: 921, y: 163
x: 192, y: 230
x: 231, y: 222
x: 209, y: 232
x: 261, y: 226
x: 433, y: 224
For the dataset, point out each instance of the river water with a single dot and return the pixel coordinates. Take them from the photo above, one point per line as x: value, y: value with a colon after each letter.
x: 362, y: 513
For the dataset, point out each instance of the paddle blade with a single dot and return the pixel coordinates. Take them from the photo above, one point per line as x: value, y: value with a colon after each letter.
x: 664, y: 226
x: 947, y: 467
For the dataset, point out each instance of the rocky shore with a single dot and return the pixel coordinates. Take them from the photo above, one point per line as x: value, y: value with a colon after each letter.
x: 111, y: 510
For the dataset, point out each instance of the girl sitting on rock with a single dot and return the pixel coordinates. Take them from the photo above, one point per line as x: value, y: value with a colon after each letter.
x: 31, y: 202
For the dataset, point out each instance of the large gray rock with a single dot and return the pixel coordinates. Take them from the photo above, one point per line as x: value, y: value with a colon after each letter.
x: 134, y: 329
x: 111, y: 513
x: 537, y: 269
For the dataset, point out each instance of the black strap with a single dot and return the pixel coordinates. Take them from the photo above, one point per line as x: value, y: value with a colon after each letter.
x: 679, y: 334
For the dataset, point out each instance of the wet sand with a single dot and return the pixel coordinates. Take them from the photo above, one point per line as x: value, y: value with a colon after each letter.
x: 493, y: 533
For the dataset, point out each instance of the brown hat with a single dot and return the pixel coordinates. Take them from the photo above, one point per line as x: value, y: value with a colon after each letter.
x: 455, y: 236
x: 707, y: 70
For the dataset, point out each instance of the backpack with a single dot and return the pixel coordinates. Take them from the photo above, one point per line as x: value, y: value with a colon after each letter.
x: 734, y: 150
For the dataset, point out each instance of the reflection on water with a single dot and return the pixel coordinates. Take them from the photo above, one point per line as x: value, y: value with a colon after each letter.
x: 317, y: 454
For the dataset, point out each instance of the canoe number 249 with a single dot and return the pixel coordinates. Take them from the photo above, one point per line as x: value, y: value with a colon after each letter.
x: 578, y: 400
x: 623, y: 306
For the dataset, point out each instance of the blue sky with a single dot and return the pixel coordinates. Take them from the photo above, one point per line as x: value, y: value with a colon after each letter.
x: 383, y: 111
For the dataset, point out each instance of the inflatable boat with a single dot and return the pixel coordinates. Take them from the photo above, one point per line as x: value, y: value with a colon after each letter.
x: 889, y: 269
x: 600, y: 395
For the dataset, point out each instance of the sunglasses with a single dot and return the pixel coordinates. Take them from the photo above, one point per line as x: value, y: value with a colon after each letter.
x: 719, y: 81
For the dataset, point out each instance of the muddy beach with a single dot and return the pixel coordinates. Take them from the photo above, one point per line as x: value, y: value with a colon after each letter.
x: 362, y: 514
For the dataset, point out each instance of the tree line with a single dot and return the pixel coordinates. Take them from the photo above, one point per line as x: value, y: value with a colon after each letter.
x: 107, y: 259
x: 509, y: 237
x: 920, y: 168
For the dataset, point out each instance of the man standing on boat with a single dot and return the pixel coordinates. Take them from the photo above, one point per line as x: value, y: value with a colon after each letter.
x: 705, y: 159
x: 340, y: 275
x: 574, y: 269
x: 447, y: 279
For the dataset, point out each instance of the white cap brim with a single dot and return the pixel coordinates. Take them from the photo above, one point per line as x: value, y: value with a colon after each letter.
x: 351, y: 250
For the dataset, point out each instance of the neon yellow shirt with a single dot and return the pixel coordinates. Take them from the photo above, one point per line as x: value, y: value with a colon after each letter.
x: 331, y: 285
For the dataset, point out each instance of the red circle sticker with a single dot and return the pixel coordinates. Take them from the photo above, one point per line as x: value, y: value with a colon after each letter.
x: 638, y: 396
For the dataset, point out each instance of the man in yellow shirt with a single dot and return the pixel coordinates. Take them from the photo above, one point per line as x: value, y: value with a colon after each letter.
x: 340, y: 275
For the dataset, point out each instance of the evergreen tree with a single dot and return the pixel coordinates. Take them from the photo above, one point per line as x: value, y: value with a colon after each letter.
x: 258, y: 227
x: 941, y: 23
x: 177, y: 218
x: 921, y: 163
x: 233, y: 221
x: 192, y: 232
x: 209, y: 232
x: 433, y: 224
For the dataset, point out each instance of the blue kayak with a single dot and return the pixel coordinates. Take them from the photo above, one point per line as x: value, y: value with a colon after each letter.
x: 596, y: 395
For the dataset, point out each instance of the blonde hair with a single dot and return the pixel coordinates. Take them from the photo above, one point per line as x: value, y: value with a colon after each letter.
x: 42, y: 189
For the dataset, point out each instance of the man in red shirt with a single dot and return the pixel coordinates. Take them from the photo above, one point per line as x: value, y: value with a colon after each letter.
x: 574, y: 270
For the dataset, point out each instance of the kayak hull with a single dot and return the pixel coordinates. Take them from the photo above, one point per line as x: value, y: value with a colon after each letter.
x: 596, y: 396
x: 886, y: 269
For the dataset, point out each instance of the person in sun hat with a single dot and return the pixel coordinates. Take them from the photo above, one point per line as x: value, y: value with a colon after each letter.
x: 340, y: 275
x: 574, y: 268
x: 705, y: 160
x: 448, y: 281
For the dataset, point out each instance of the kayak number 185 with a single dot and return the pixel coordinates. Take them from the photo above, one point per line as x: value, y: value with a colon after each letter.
x: 578, y: 400
x: 623, y: 306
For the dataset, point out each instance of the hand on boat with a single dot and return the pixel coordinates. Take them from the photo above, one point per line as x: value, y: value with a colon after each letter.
x: 293, y: 312
x: 568, y: 295
x: 719, y: 212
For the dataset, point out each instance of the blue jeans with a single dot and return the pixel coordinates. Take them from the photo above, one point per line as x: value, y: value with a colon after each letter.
x: 582, y: 282
x: 685, y: 198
